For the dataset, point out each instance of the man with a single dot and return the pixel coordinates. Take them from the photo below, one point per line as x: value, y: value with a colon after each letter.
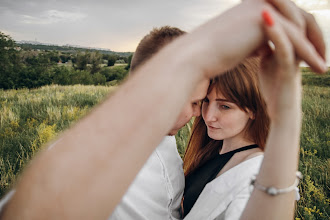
x: 157, y: 190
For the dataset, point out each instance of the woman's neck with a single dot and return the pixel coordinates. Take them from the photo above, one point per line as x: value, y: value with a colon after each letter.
x: 230, y: 145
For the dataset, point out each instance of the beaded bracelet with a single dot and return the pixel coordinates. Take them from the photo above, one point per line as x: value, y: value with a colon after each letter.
x: 273, y: 191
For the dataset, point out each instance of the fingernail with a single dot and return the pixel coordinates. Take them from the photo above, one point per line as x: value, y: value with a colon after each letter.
x: 268, y: 19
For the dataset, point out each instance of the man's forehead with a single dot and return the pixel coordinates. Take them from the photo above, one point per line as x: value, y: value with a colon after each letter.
x: 200, y: 90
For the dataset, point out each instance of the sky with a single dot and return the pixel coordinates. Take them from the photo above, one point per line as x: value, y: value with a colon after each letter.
x: 118, y: 25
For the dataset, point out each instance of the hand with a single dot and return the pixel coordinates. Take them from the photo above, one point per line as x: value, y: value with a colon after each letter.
x: 306, y: 23
x: 303, y: 20
x: 236, y: 34
x: 279, y: 75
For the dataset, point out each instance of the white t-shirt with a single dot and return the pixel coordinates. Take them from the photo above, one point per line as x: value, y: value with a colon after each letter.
x: 157, y: 190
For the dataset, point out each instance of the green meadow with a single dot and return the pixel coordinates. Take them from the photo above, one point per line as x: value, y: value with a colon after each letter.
x: 31, y: 118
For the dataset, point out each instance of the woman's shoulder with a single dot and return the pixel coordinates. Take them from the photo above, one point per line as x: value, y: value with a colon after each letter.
x: 253, y: 154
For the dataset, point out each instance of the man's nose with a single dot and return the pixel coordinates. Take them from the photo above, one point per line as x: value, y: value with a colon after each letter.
x: 197, y: 111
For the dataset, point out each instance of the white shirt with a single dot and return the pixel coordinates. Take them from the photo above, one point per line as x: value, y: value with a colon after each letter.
x: 226, y: 196
x: 157, y: 190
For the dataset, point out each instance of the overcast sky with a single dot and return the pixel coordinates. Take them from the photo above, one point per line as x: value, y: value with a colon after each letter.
x: 117, y: 25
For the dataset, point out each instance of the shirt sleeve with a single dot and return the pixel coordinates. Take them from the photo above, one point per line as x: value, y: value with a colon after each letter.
x: 236, y: 207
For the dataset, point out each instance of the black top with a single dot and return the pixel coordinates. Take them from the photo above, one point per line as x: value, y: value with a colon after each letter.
x: 196, y: 181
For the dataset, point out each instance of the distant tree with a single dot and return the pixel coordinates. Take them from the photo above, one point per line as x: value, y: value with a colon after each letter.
x: 112, y: 60
x: 129, y: 60
x: 61, y: 75
x: 81, y: 61
x: 53, y: 56
x: 65, y: 58
x: 121, y: 61
x: 125, y: 59
x: 99, y: 79
x: 115, y: 73
x: 95, y: 60
x: 9, y: 62
x: 81, y: 77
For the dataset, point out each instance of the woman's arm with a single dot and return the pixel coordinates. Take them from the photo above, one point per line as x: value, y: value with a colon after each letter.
x: 281, y: 87
x: 86, y: 173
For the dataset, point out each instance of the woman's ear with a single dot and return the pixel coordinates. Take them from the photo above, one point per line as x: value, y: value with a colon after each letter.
x: 251, y: 115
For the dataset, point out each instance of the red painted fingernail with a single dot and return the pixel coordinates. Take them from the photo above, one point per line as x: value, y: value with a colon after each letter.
x: 268, y: 19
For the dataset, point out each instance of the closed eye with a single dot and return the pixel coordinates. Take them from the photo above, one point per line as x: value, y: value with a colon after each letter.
x: 206, y: 100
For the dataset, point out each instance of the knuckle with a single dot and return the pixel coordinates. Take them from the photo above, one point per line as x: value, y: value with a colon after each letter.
x: 310, y: 17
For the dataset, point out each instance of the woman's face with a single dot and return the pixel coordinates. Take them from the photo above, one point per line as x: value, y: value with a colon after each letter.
x: 224, y: 119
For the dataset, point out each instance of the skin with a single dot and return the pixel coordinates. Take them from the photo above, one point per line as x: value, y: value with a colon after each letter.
x: 192, y: 108
x: 225, y: 121
x: 42, y: 192
x: 280, y: 73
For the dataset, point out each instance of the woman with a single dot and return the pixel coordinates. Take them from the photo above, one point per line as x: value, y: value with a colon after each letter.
x: 227, y: 142
x: 233, y: 129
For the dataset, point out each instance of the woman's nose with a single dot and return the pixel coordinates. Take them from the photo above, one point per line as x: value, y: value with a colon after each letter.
x: 209, y: 114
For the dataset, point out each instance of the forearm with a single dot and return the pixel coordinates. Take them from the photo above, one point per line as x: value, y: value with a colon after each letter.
x: 280, y: 161
x: 237, y: 33
x: 86, y: 173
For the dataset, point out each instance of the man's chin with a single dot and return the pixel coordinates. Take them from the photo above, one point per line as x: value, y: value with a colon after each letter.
x: 172, y: 132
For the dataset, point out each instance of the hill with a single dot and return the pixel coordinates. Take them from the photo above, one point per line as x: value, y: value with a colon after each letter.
x: 68, y: 48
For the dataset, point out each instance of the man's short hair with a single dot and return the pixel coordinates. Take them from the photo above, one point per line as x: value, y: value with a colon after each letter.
x: 152, y: 43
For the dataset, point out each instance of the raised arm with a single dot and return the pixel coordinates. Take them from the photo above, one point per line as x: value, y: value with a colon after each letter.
x: 281, y: 87
x: 86, y: 173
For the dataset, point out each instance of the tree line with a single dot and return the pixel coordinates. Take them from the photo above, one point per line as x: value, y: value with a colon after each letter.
x: 29, y: 68
x: 68, y: 49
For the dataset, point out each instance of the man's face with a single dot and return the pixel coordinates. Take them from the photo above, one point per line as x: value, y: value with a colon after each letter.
x: 192, y: 107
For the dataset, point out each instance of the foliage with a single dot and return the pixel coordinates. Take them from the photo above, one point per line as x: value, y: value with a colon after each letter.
x: 31, y: 118
x: 81, y: 61
x: 95, y: 60
x: 315, y: 80
x: 129, y: 60
x: 111, y: 59
x: 9, y: 62
x: 182, y: 138
x: 114, y: 73
x: 35, y: 68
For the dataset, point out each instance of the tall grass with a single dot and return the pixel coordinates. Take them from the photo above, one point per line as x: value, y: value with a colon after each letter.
x: 31, y: 118
x: 314, y: 148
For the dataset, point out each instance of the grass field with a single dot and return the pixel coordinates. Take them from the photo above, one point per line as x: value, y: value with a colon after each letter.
x: 31, y: 118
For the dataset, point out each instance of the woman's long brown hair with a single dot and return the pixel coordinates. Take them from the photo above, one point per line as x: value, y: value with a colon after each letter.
x: 240, y: 86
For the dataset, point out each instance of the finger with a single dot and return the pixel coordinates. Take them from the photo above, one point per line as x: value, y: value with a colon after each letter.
x: 261, y: 51
x: 289, y: 10
x: 265, y: 51
x: 284, y: 51
x: 305, y: 21
x: 314, y: 33
x: 302, y: 46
